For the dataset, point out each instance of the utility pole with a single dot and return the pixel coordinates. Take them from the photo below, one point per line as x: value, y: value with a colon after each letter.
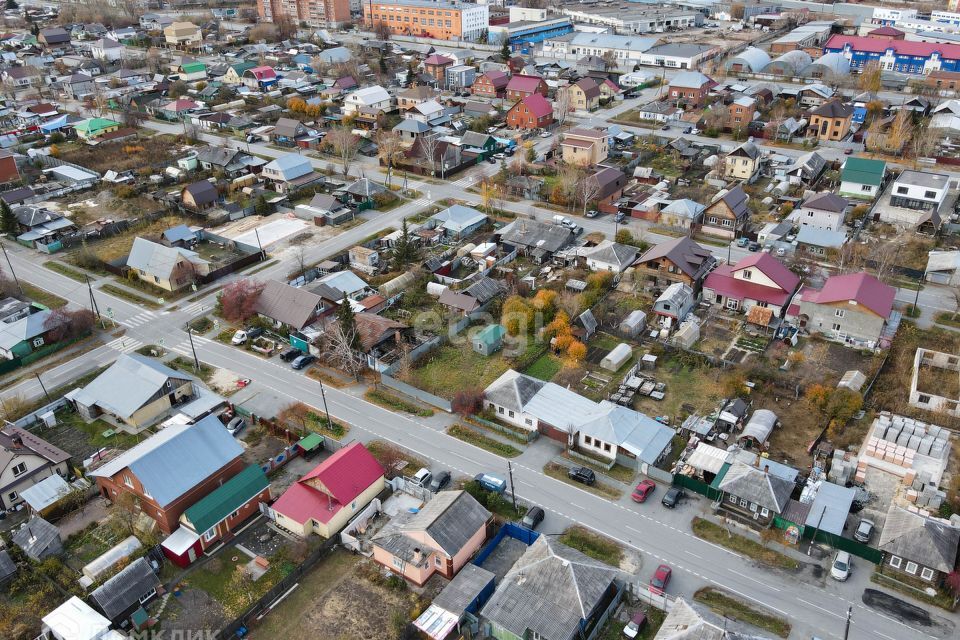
x: 42, y: 387
x: 257, y: 233
x: 93, y: 302
x: 324, y: 396
x: 513, y: 488
x: 10, y: 264
x: 846, y: 632
x: 196, y: 361
x: 916, y: 300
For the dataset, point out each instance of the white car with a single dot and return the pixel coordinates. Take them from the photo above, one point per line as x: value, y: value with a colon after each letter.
x: 239, y: 337
x: 546, y: 134
x: 841, y: 567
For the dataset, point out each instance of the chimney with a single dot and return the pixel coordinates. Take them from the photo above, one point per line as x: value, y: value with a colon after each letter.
x: 417, y: 555
x: 766, y: 468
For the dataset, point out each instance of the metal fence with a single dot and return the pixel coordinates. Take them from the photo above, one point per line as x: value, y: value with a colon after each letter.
x: 697, y: 486
x: 844, y: 544
x: 413, y: 392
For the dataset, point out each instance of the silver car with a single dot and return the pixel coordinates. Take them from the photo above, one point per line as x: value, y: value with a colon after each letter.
x: 864, y: 531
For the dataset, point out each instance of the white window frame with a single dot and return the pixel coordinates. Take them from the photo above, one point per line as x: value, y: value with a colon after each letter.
x: 926, y: 574
x: 838, y: 313
x: 397, y: 563
x: 764, y: 512
x: 911, y: 567
x: 896, y: 562
x: 209, y: 534
x: 127, y: 480
x: 19, y: 469
x: 437, y: 560
x: 147, y: 596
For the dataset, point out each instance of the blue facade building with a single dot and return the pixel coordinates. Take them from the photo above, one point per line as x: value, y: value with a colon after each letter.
x: 902, y: 56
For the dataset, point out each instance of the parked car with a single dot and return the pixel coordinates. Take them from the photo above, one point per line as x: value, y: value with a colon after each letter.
x: 672, y: 497
x: 239, y: 337
x: 636, y: 624
x: 841, y: 567
x: 546, y: 134
x: 491, y: 482
x: 302, y: 361
x: 688, y: 130
x: 422, y: 477
x: 583, y: 474
x: 665, y: 127
x: 742, y: 242
x: 441, y: 480
x: 753, y: 246
x: 291, y: 354
x: 499, y: 156
x: 235, y: 425
x: 593, y: 213
x: 864, y: 530
x: 660, y: 579
x: 643, y: 490
x: 619, y: 217
x: 533, y: 518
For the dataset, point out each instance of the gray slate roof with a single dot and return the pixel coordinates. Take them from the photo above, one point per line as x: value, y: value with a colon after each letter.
x: 203, y: 192
x: 155, y: 259
x: 757, y: 486
x: 534, y: 234
x: 290, y: 305
x: 549, y: 590
x: 178, y: 458
x: 8, y: 568
x: 926, y: 541
x: 36, y: 537
x: 450, y: 519
x: 462, y: 590
x: 123, y: 591
x: 619, y: 255
x: 128, y: 384
x: 692, y: 259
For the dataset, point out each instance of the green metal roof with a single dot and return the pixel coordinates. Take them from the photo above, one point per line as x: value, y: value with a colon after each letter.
x: 311, y: 442
x: 863, y: 171
x: 193, y: 67
x: 240, y: 67
x: 227, y: 498
x: 720, y: 474
x: 95, y: 124
x: 491, y: 333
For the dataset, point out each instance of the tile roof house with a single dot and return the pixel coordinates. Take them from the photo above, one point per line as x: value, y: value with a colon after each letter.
x: 134, y: 586
x: 678, y: 260
x: 552, y: 592
x: 854, y: 308
x: 287, y: 130
x: 25, y: 460
x: 169, y: 268
x: 173, y: 469
x: 743, y: 163
x: 754, y: 494
x: 919, y: 545
x: 756, y: 280
x: 584, y: 146
x: 690, y: 88
x: 727, y: 215
x: 262, y: 77
x: 492, y: 84
x: 53, y: 36
x: 294, y: 307
x: 440, y: 538
x: 133, y: 393
x: 585, y: 94
x: 323, y: 500
x: 830, y: 121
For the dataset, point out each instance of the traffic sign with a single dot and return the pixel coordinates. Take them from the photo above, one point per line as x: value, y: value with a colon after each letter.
x: 160, y: 342
x: 110, y: 313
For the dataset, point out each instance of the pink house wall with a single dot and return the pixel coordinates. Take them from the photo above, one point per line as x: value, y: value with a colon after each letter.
x: 419, y: 575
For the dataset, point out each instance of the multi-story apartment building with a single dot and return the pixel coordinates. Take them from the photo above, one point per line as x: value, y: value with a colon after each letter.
x: 440, y: 19
x: 316, y: 13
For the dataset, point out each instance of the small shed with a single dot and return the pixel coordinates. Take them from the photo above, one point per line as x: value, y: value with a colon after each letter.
x: 617, y: 356
x: 123, y: 594
x: 759, y: 427
x: 687, y: 335
x: 398, y: 284
x: 38, y: 539
x: 634, y: 323
x: 489, y: 340
x: 76, y: 620
x: 8, y: 567
x: 44, y: 496
x: 853, y: 380
x: 100, y: 565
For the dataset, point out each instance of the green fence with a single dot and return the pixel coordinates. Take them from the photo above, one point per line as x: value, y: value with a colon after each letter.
x: 844, y: 544
x: 697, y: 486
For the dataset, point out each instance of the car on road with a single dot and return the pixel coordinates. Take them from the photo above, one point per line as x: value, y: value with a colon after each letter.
x: 491, y: 161
x: 643, y: 490
x: 742, y: 242
x: 841, y: 567
x: 235, y: 425
x: 533, y: 518
x: 291, y: 354
x: 593, y: 213
x: 302, y: 361
x: 582, y: 474
x: 665, y: 127
x: 499, y: 156
x: 864, y: 530
x: 441, y: 480
x: 753, y: 246
x: 491, y: 482
x: 422, y: 477
x: 637, y: 622
x: 546, y: 134
x: 660, y: 579
x: 619, y: 217
x: 848, y: 152
x: 687, y: 130
x: 672, y: 497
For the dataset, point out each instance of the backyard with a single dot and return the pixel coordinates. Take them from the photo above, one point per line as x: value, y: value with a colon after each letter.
x: 453, y: 368
x: 122, y: 155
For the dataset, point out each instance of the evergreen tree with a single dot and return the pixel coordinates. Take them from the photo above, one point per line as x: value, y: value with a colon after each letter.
x: 506, y: 52
x: 383, y: 64
x: 8, y: 221
x: 12, y: 4
x: 404, y: 251
x: 348, y: 323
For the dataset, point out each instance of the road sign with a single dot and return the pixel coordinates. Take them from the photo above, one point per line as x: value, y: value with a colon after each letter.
x: 161, y: 301
x: 216, y: 324
x: 160, y: 342
x: 110, y: 313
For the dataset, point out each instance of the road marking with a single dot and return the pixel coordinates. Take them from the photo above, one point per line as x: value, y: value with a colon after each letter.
x: 760, y: 602
x: 816, y: 606
x: 693, y: 554
x: 883, y: 635
x: 743, y: 575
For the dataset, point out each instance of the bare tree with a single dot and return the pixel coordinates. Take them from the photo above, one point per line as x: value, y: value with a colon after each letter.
x: 587, y: 190
x: 339, y: 351
x: 344, y: 145
x: 561, y: 105
x: 430, y: 145
x: 390, y: 149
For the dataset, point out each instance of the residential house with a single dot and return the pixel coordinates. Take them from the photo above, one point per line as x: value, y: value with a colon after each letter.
x: 40, y: 225
x: 261, y: 78
x: 753, y: 495
x: 374, y: 98
x: 94, y: 128
x: 727, y: 216
x: 552, y: 592
x: 20, y: 338
x: 488, y: 340
x: 531, y: 112
x: 26, y: 460
x: 9, y: 171
x: 756, y: 280
x: 674, y: 304
x: 916, y: 199
x: 410, y: 130
x: 234, y: 74
x: 230, y: 162
x: 435, y: 66
x: 918, y: 545
x: 741, y: 112
x: 75, y: 620
x: 586, y: 147
x: 415, y: 95
x: 659, y: 111
x: 79, y: 85
x: 539, y: 240
x: 458, y: 221
x: 585, y: 94
x: 19, y: 77
x: 440, y: 538
x: 131, y: 588
x: 324, y: 500
x: 690, y: 88
x: 133, y: 393
x: 683, y: 214
x: 492, y: 84
x: 474, y: 298
x: 107, y: 50
x: 192, y: 71
x: 825, y: 211
x: 182, y: 35
x: 290, y: 173
x: 620, y: 434
x: 609, y: 256
x: 212, y: 520
x: 293, y: 307
x: 679, y: 260
x: 287, y: 130
x: 524, y: 187
x: 173, y: 469
x: 830, y: 121
x: 943, y: 267
x: 862, y: 178
x: 53, y: 37
x: 168, y: 268
x: 854, y: 308
x: 178, y: 109
x: 806, y: 169
x: 520, y: 86
x: 200, y: 196
x: 38, y: 539
x: 482, y: 143
x: 743, y: 163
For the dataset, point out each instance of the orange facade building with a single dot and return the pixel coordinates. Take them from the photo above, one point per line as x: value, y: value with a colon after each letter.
x: 426, y: 19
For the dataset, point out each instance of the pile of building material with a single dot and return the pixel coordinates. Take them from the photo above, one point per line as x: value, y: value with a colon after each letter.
x: 907, y: 434
x: 922, y: 491
x: 842, y: 468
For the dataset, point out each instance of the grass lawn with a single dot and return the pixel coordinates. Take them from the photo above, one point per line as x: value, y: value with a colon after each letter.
x: 613, y: 629
x: 902, y: 583
x: 729, y: 606
x: 450, y: 369
x: 389, y: 456
x: 947, y: 318
x: 544, y: 367
x: 64, y: 270
x: 484, y: 442
x: 499, y: 505
x: 617, y: 472
x: 216, y: 577
x: 185, y: 364
x: 201, y: 325
x: 390, y: 401
x: 592, y: 544
x: 718, y: 535
x: 559, y: 472
x: 685, y: 385
x: 95, y: 430
x: 42, y: 296
x: 119, y: 292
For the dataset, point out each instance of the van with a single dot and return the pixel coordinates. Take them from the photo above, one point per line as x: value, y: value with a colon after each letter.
x: 422, y: 478
x: 491, y: 482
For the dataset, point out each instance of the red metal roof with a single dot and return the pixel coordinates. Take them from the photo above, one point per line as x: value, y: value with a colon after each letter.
x: 860, y: 287
x: 721, y: 281
x: 538, y: 105
x: 263, y: 73
x: 437, y: 59
x: 772, y: 268
x: 526, y: 84
x: 903, y: 47
x: 886, y: 32
x: 498, y: 79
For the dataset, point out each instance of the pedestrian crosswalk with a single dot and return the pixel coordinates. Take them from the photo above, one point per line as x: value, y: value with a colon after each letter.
x: 465, y: 182
x: 125, y: 344
x: 183, y: 347
x: 196, y: 307
x: 142, y: 318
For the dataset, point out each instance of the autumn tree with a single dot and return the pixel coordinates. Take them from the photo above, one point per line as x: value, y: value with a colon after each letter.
x: 66, y: 325
x: 870, y: 77
x: 344, y: 145
x: 238, y: 300
x: 517, y: 316
x: 562, y: 105
x: 297, y: 415
x: 389, y: 150
x: 467, y: 401
x: 576, y: 352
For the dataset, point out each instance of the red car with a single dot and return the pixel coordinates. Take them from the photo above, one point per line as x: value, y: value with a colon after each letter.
x: 643, y: 490
x: 660, y: 579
